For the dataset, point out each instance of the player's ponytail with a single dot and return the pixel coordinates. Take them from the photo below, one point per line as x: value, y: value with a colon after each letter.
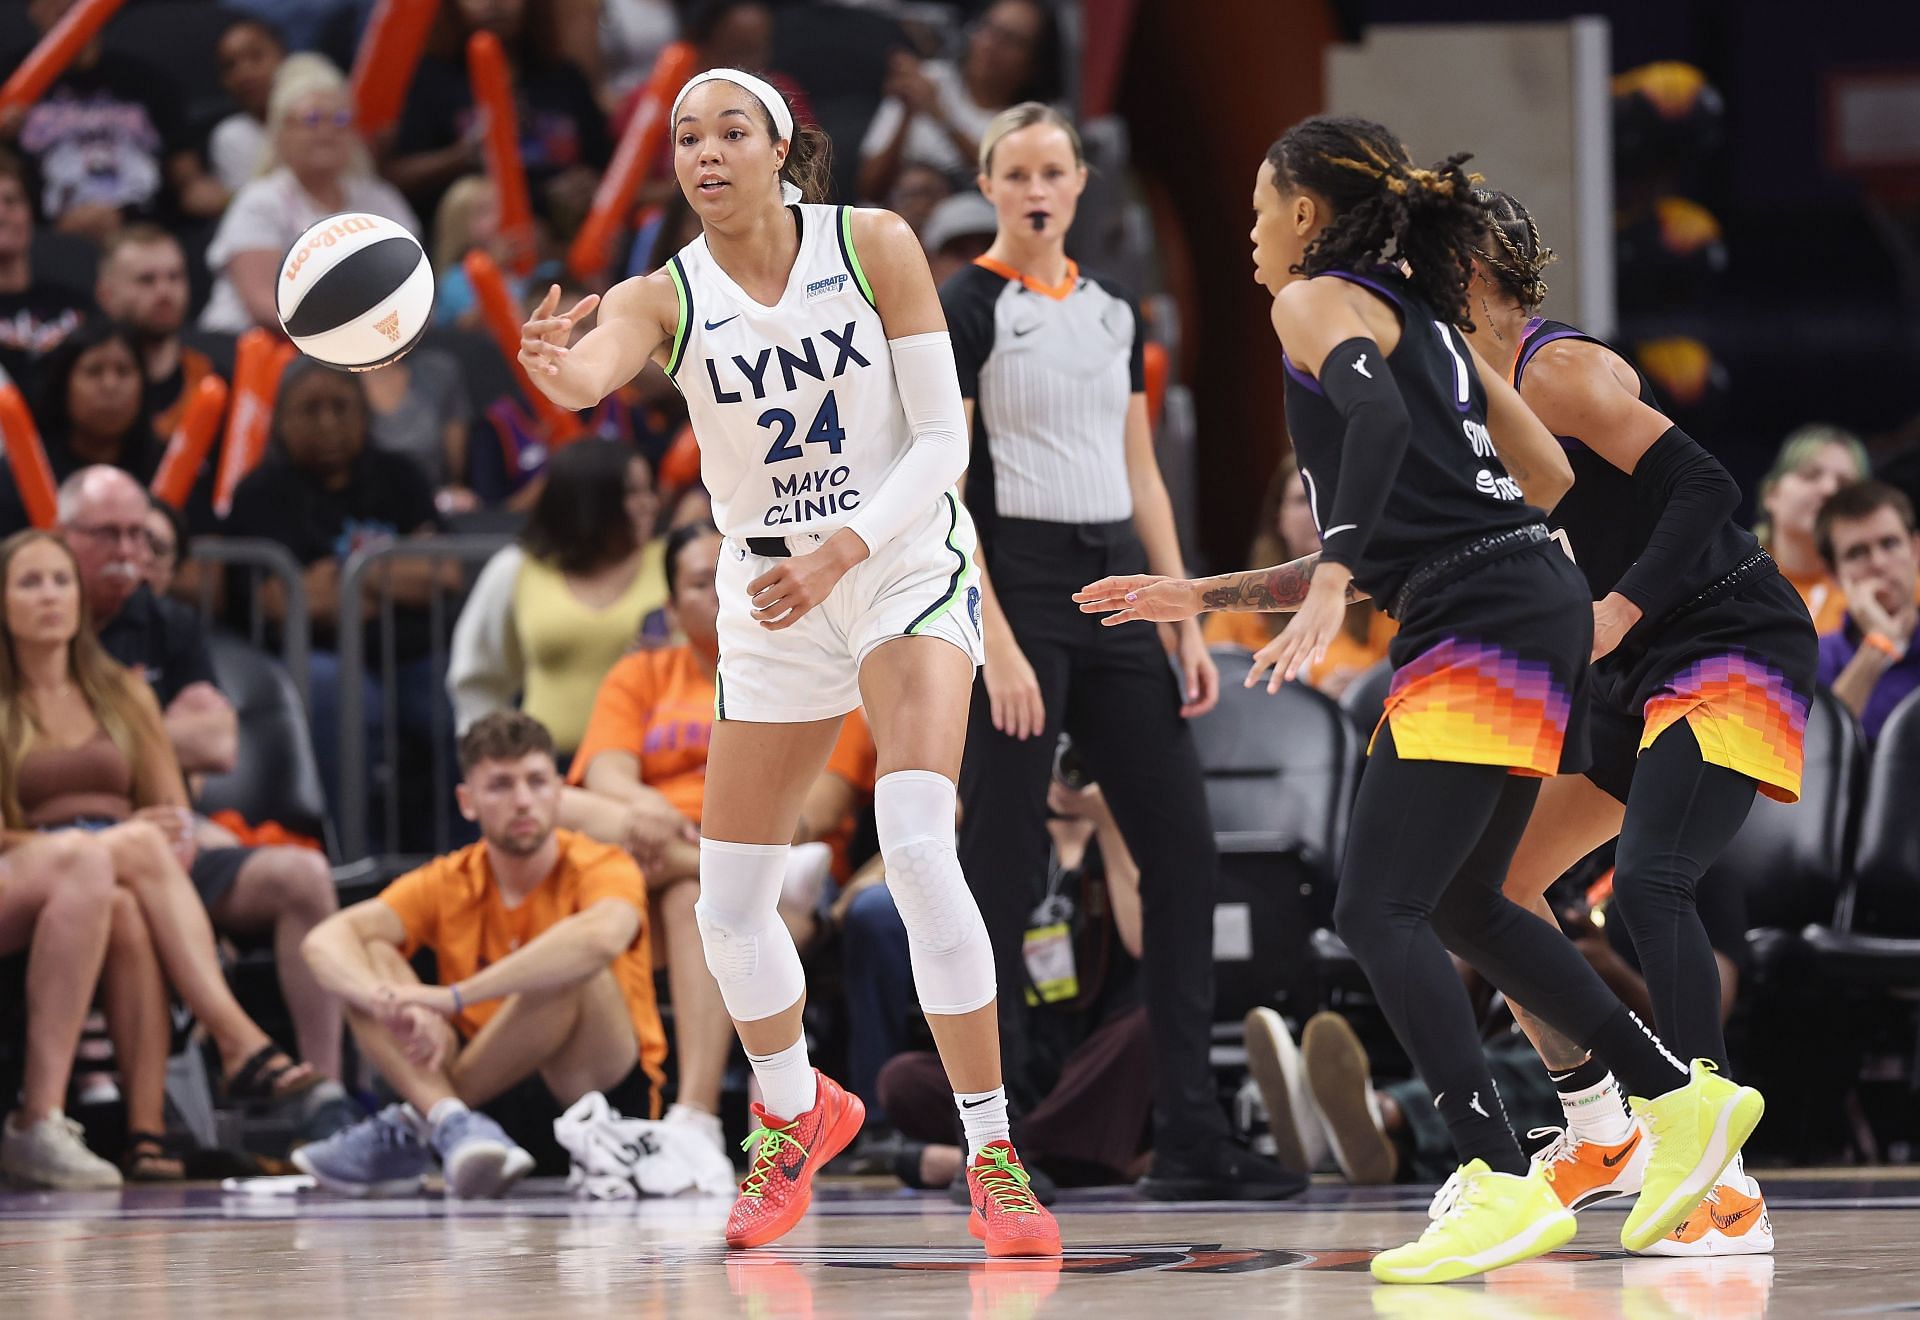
x: 1385, y: 208
x: 809, y: 163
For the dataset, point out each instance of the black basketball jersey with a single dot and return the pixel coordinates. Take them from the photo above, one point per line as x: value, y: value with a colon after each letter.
x: 1606, y: 516
x: 1451, y: 487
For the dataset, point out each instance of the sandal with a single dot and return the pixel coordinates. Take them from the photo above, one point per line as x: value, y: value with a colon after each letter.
x: 264, y: 1077
x: 147, y: 1159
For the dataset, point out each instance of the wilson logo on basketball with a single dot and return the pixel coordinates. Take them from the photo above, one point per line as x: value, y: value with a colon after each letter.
x: 389, y: 325
x: 319, y: 238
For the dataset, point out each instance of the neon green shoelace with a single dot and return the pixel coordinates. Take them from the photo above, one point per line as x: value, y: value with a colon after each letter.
x: 1008, y: 1184
x: 770, y: 1140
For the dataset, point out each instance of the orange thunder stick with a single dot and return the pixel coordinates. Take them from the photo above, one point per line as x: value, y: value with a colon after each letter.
x: 191, y: 440
x: 257, y: 365
x: 592, y: 248
x: 388, y: 55
x: 493, y: 95
x: 56, y: 50
x: 32, y: 477
x: 496, y: 308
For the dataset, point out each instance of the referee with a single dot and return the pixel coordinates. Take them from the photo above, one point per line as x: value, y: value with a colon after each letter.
x: 1064, y: 489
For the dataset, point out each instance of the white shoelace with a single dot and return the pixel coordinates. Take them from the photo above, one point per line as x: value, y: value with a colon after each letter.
x: 1563, y: 1147
x: 1447, y: 1199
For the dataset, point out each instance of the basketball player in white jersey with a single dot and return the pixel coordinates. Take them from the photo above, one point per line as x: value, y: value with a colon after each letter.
x: 810, y: 345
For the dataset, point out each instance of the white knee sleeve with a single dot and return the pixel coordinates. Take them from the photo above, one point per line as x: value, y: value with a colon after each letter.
x: 748, y: 948
x: 952, y: 957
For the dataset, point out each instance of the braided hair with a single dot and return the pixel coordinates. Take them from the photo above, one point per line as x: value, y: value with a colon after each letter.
x: 1385, y: 208
x: 1512, y: 249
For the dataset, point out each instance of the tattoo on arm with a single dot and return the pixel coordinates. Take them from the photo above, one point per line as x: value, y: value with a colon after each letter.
x: 1266, y: 590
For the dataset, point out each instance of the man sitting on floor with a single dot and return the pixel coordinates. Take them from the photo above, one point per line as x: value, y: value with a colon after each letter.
x: 545, y: 995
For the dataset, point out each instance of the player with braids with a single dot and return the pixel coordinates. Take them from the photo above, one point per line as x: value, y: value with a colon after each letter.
x: 1394, y: 420
x: 1703, y: 661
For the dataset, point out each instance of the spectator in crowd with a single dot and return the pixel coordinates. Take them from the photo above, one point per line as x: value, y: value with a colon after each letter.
x: 468, y: 218
x: 278, y: 892
x: 1866, y: 537
x: 545, y: 989
x: 935, y: 113
x: 82, y: 744
x: 250, y: 54
x: 35, y: 314
x: 93, y: 410
x: 915, y: 195
x: 56, y: 908
x: 316, y: 166
x: 324, y: 492
x: 167, y: 546
x: 1286, y: 532
x: 143, y: 285
x: 107, y: 142
x: 563, y: 132
x: 1814, y: 461
x: 643, y: 764
x: 632, y: 35
x: 420, y: 410
x: 958, y: 232
x: 1088, y: 1043
x: 551, y: 614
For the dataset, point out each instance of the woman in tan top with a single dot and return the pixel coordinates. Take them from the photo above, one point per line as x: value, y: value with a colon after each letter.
x: 82, y: 744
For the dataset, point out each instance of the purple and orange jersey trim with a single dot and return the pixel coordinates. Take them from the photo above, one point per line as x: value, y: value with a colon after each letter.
x: 1478, y: 704
x: 1745, y: 715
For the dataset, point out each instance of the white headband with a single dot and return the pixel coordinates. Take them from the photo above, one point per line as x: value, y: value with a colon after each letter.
x: 763, y: 91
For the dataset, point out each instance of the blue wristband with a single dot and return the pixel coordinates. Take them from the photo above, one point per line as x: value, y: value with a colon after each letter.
x: 459, y: 1003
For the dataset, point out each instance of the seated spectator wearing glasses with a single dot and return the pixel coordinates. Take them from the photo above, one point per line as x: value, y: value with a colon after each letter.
x: 317, y: 166
x: 279, y: 893
x: 168, y: 546
x: 35, y: 313
x: 92, y: 409
x: 143, y: 285
x: 324, y: 492
x: 1866, y: 536
x: 551, y: 614
x: 107, y: 141
x: 545, y: 989
x: 935, y: 112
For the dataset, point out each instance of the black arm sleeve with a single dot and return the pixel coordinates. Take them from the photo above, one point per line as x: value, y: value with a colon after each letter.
x: 1356, y: 381
x: 1696, y: 496
x: 967, y: 299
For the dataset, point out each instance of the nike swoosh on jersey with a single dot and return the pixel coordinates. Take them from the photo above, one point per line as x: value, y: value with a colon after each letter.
x: 715, y: 325
x: 1335, y: 531
x: 1613, y: 1161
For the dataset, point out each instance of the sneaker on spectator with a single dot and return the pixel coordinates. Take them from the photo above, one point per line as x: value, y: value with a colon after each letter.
x: 479, y: 1159
x: 1224, y: 1172
x: 378, y: 1156
x: 327, y: 1109
x: 1299, y: 1133
x: 1338, y: 1075
x: 51, y: 1153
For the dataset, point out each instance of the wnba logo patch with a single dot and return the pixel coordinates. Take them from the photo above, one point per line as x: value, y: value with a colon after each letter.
x: 973, y: 607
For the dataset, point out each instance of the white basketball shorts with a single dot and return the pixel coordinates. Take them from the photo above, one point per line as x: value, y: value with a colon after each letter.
x: 923, y: 583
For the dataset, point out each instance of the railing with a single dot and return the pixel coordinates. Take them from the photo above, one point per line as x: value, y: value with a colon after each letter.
x: 261, y: 561
x: 350, y: 806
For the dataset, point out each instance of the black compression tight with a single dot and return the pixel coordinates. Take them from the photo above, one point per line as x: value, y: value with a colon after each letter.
x: 1428, y: 852
x: 1681, y: 814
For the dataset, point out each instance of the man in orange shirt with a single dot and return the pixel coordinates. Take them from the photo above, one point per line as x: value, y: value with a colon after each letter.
x: 546, y: 985
x: 639, y: 780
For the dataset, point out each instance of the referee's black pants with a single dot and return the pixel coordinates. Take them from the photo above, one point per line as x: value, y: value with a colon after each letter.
x: 1114, y: 692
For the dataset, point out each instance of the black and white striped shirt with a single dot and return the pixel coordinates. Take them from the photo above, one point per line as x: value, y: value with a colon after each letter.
x: 1050, y: 371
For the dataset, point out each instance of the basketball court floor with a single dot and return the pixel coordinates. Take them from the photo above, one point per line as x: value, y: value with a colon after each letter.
x: 870, y: 1250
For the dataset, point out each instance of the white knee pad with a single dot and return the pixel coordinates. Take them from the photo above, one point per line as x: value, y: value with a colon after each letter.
x: 952, y: 957
x: 748, y: 948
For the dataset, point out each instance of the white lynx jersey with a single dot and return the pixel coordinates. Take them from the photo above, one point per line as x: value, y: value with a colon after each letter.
x: 794, y: 405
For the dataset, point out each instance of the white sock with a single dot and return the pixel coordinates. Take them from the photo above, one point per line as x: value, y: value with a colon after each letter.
x: 444, y: 1109
x: 984, y: 1116
x: 787, y: 1088
x: 1598, y: 1114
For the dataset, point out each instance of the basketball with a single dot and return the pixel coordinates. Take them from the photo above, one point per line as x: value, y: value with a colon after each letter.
x: 355, y: 291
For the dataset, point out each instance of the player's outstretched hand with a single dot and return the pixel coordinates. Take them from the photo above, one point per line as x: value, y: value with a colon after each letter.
x: 544, y: 338
x: 1124, y: 599
x: 1304, y: 641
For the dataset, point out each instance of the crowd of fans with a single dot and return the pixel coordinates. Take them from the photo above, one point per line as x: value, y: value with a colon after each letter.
x: 135, y: 243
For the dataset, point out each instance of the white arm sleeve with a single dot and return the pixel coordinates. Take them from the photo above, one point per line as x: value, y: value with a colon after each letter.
x: 484, y: 667
x: 924, y: 375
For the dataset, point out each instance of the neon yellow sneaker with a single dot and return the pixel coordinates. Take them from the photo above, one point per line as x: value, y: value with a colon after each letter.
x: 1695, y: 1131
x: 1481, y: 1221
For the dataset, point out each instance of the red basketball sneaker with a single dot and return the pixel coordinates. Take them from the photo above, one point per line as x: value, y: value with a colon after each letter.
x: 1005, y: 1214
x: 786, y: 1154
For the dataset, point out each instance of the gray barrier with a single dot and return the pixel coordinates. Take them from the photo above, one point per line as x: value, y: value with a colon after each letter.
x: 259, y: 562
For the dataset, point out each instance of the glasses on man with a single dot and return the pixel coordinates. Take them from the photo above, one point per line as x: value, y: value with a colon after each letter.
x: 323, y: 118
x: 162, y: 548
x: 133, y: 534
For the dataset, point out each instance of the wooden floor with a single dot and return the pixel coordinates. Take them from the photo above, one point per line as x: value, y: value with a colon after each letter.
x: 1847, y: 1247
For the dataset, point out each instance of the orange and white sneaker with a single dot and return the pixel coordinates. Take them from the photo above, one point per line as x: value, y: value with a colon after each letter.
x: 1584, y: 1173
x: 1732, y: 1221
x: 786, y: 1155
x: 1005, y: 1214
